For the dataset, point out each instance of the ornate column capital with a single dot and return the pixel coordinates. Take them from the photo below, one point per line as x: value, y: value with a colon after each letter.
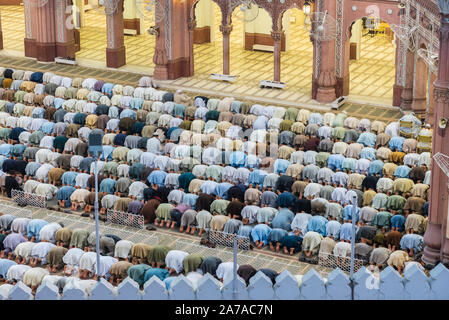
x: 226, y: 29
x: 191, y: 24
x: 276, y: 35
x: 444, y: 6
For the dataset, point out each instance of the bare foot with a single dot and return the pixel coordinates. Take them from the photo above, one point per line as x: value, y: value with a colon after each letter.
x: 271, y: 246
x: 181, y: 228
x: 192, y: 232
x: 188, y: 229
x: 285, y: 250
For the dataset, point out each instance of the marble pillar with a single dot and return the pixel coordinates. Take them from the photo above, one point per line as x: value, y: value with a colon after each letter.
x: 160, y: 57
x: 65, y: 41
x: 226, y: 31
x: 115, y: 50
x: 191, y: 25
x: 435, y: 238
x: 46, y: 32
x: 277, y: 38
x: 419, y: 104
x: 398, y: 87
x: 1, y: 33
x: 30, y: 18
x: 429, y: 114
x: 407, y: 91
x: 173, y: 55
x: 326, y: 79
x: 343, y: 83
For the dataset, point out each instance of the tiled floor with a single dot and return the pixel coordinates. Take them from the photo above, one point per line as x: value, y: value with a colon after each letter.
x: 372, y: 76
x: 360, y: 110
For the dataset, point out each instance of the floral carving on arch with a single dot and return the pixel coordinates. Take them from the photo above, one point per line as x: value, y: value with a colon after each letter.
x: 275, y: 8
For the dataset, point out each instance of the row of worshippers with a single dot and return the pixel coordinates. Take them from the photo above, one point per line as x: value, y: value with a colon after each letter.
x: 312, y: 129
x: 73, y: 252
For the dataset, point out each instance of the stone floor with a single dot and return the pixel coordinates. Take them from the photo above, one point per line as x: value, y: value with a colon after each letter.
x: 360, y: 110
x: 372, y: 76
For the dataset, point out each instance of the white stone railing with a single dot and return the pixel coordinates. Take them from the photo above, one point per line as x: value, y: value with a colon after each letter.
x: 390, y: 285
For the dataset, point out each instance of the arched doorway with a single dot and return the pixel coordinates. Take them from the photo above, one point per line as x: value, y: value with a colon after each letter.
x: 251, y: 45
x: 371, y: 64
x: 208, y: 40
x: 297, y: 59
x: 13, y: 28
x: 92, y: 22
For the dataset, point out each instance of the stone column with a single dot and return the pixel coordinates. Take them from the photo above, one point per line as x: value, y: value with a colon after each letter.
x: 30, y: 17
x: 65, y: 42
x: 407, y: 91
x: 191, y: 26
x: 46, y: 32
x: 343, y: 83
x: 277, y: 38
x: 398, y: 87
x: 160, y: 57
x: 419, y: 104
x: 173, y: 52
x: 435, y: 236
x: 429, y: 114
x: 226, y: 31
x: 326, y: 77
x: 115, y: 51
x: 1, y: 33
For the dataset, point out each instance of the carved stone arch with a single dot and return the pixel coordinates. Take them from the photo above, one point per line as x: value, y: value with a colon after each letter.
x: 226, y: 9
x: 294, y: 5
x: 361, y: 12
x: 192, y: 7
x: 348, y: 25
x: 276, y: 10
x: 342, y: 51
